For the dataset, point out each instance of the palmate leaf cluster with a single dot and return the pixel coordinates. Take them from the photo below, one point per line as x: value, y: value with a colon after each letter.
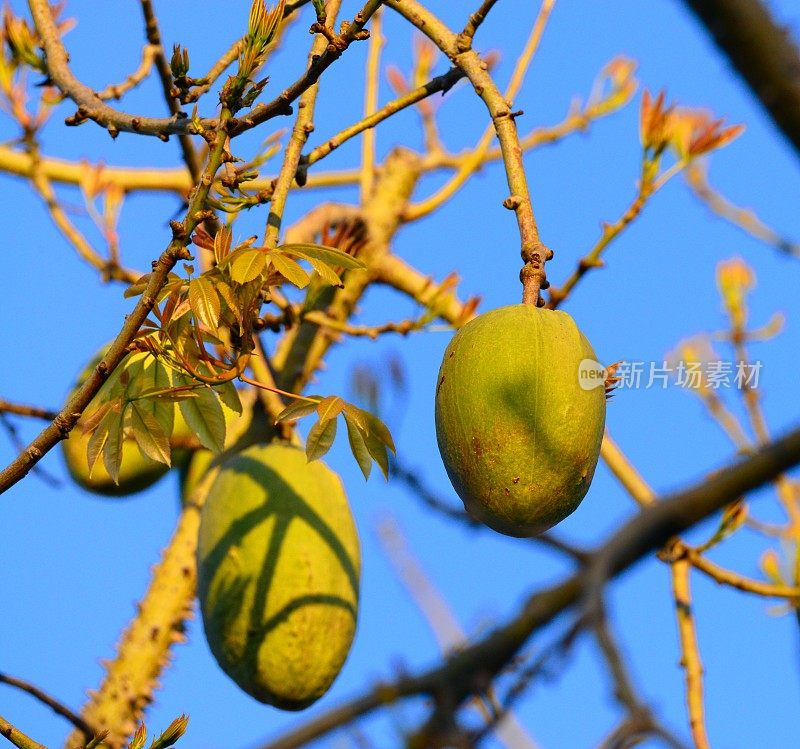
x: 198, y: 341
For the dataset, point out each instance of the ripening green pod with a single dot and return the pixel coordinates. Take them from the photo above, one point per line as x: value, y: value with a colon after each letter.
x: 194, y: 469
x: 518, y: 431
x: 137, y: 471
x: 278, y: 574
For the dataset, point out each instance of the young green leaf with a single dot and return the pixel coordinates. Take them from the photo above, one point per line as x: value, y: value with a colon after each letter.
x: 330, y: 407
x: 175, y: 730
x: 149, y: 435
x: 326, y: 273
x: 169, y: 394
x: 222, y: 243
x: 140, y: 284
x: 732, y: 519
x: 98, y: 740
x: 290, y: 270
x: 226, y: 294
x: 229, y: 396
x: 205, y: 418
x: 328, y: 255
x: 357, y: 445
x: 155, y: 377
x: 137, y: 742
x: 112, y: 449
x: 99, y: 437
x: 377, y: 450
x: 248, y: 264
x: 375, y: 427
x: 320, y: 439
x: 296, y: 410
x: 204, y: 302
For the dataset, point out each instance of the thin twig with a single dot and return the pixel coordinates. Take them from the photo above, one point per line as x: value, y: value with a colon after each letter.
x: 303, y: 126
x: 190, y: 156
x: 441, y: 83
x: 641, y: 535
x: 690, y: 653
x: 20, y: 409
x: 533, y: 252
x: 696, y: 177
x: 371, y: 90
x: 109, y: 270
x: 57, y: 707
x: 118, y: 90
x: 90, y: 106
x: 477, y: 18
x: 478, y: 155
x: 16, y: 737
x: 281, y: 104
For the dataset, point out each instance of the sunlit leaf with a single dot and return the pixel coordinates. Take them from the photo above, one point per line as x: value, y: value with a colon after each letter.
x: 222, y: 243
x: 290, y: 270
x: 149, y: 435
x: 205, y: 418
x: 377, y: 449
x: 376, y: 427
x: 320, y: 439
x: 175, y: 730
x: 329, y: 255
x: 229, y: 396
x: 90, y: 419
x: 330, y: 407
x: 296, y: 410
x: 170, y: 394
x: 358, y: 446
x: 326, y: 273
x: 99, y: 437
x: 204, y: 301
x: 155, y: 376
x: 226, y: 294
x: 247, y: 265
x: 112, y: 449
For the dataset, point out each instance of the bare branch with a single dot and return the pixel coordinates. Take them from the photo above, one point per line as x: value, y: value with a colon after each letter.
x: 763, y: 53
x: 464, y: 672
x: 57, y: 707
x: 19, y: 409
x: 190, y: 157
x: 16, y: 737
x: 118, y: 90
x: 90, y: 106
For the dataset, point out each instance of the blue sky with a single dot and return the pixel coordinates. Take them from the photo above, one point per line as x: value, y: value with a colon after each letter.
x: 72, y: 565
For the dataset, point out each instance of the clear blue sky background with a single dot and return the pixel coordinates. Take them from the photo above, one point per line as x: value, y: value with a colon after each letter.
x: 72, y: 565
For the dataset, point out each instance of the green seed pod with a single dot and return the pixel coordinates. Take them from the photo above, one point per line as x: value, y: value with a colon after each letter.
x: 137, y: 471
x: 278, y: 574
x: 518, y: 433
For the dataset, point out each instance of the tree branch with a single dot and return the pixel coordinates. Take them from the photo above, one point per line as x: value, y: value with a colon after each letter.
x: 763, y: 53
x: 19, y: 409
x: 534, y: 253
x: 56, y: 706
x: 16, y: 737
x: 82, y: 396
x: 190, y: 157
x: 472, y: 667
x: 281, y: 104
x: 90, y: 106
